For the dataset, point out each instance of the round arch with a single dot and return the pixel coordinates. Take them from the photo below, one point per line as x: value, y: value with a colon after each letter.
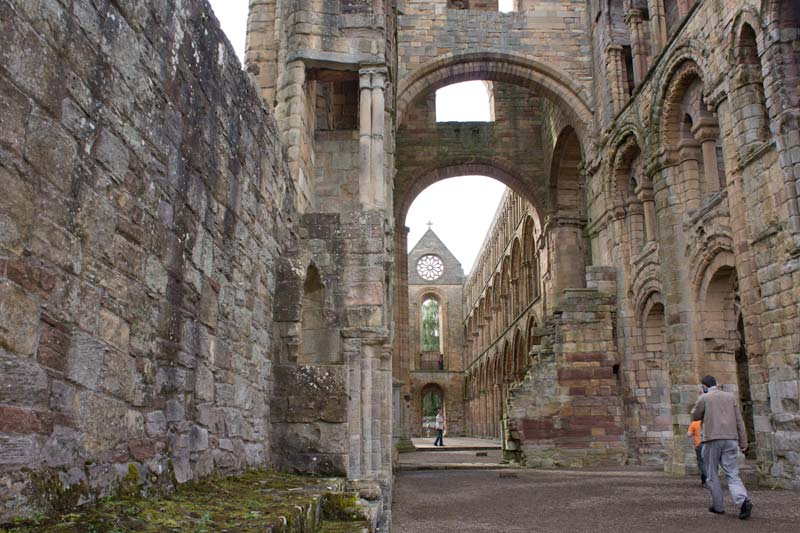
x: 491, y: 169
x: 493, y: 66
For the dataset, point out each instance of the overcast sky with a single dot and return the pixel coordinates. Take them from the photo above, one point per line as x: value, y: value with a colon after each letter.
x: 461, y: 209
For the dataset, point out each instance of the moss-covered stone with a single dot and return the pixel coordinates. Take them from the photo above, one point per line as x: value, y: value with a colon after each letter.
x: 341, y: 506
x: 254, y: 501
x: 51, y: 493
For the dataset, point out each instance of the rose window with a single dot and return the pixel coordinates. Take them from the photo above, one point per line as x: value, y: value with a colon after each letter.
x: 430, y: 267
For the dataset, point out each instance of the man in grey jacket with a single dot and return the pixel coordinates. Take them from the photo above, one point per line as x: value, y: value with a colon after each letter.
x: 723, y: 437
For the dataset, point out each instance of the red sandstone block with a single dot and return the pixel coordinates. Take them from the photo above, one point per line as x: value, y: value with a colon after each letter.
x: 30, y: 277
x: 25, y: 421
x: 53, y: 344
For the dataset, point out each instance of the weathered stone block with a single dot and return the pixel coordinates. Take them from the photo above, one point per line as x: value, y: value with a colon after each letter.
x: 19, y: 320
x: 22, y: 382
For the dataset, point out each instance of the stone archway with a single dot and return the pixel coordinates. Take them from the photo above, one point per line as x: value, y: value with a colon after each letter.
x: 498, y: 67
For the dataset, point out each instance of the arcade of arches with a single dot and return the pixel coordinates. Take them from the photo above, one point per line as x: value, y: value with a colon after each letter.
x: 204, y: 268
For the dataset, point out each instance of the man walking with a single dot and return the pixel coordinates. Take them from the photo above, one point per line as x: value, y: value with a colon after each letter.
x: 723, y: 437
x: 439, y: 429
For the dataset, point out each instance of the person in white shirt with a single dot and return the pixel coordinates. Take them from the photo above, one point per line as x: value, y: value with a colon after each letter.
x: 439, y: 429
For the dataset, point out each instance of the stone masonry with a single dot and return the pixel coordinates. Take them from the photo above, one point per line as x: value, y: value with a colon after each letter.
x: 203, y: 268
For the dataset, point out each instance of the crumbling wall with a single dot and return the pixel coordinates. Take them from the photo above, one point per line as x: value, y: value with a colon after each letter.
x: 568, y: 410
x: 144, y: 197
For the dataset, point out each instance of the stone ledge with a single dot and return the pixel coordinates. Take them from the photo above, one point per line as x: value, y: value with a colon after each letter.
x: 254, y: 501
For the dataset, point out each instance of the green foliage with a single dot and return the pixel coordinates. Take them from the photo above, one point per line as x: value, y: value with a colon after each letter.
x: 430, y: 326
x: 431, y: 404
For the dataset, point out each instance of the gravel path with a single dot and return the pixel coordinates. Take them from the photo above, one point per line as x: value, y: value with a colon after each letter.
x: 575, y: 501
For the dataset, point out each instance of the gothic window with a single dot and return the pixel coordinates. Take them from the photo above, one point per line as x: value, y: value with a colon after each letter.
x: 430, y: 267
x: 431, y: 326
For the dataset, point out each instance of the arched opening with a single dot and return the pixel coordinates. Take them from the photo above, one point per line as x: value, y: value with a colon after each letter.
x: 654, y: 380
x: 722, y: 338
x: 566, y: 238
x: 432, y: 402
x: 431, y: 357
x: 752, y: 124
x: 516, y: 277
x: 634, y: 197
x: 783, y: 23
x: 691, y: 132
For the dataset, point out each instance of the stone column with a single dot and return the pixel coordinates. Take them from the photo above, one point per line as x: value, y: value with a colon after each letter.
x: 615, y: 70
x: 707, y: 132
x: 658, y: 25
x: 636, y: 220
x: 515, y: 299
x: 689, y: 172
x: 527, y: 294
x: 364, y: 135
x: 638, y: 45
x: 371, y: 114
x: 645, y: 193
x: 378, y: 152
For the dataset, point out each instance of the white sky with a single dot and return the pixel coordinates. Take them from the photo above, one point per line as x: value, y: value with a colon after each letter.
x: 461, y: 209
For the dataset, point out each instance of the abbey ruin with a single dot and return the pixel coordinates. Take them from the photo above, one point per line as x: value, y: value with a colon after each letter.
x: 204, y: 267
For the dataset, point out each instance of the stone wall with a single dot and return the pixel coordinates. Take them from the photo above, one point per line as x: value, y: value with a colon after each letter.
x: 568, y: 409
x: 701, y: 214
x: 145, y: 200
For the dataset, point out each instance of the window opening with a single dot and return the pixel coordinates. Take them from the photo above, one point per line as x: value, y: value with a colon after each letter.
x: 431, y: 330
x: 468, y: 101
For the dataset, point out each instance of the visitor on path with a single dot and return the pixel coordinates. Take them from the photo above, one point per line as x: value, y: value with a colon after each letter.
x: 439, y: 429
x: 723, y: 437
x: 694, y: 431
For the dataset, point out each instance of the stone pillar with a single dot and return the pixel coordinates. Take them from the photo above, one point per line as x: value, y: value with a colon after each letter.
x: 707, y: 132
x: 378, y: 152
x: 689, y: 172
x: 615, y: 74
x: 638, y: 45
x: 515, y: 299
x: 364, y: 135
x: 658, y: 25
x: 645, y: 193
x: 402, y: 353
x: 636, y: 219
x: 371, y: 114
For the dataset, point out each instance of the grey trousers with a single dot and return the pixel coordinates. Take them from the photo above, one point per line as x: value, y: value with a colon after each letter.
x: 723, y: 453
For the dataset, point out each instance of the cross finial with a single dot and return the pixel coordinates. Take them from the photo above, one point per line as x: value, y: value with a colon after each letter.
x: 430, y: 224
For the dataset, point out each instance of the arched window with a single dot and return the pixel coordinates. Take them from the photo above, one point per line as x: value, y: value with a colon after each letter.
x: 752, y: 125
x: 431, y: 326
x: 432, y: 402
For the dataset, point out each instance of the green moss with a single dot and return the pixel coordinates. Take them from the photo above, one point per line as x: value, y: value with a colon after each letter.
x: 340, y: 506
x: 53, y: 495
x: 129, y: 485
x: 254, y: 501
